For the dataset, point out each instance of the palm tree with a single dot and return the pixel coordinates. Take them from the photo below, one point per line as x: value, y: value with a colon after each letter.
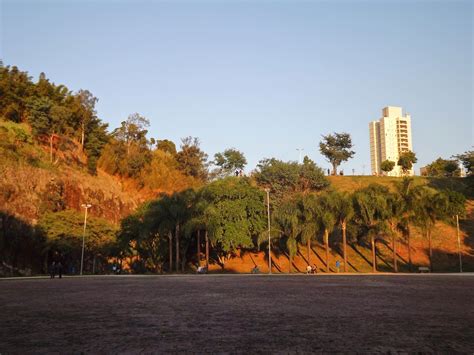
x: 431, y: 208
x: 371, y: 209
x: 287, y: 218
x: 326, y: 220
x: 395, y: 209
x: 408, y: 194
x: 343, y: 211
x: 309, y: 213
x: 173, y: 212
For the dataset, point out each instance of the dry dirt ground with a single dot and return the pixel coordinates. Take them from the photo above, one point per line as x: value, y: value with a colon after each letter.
x: 238, y: 314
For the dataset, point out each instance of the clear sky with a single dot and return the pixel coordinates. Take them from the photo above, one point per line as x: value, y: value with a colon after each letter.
x: 265, y: 77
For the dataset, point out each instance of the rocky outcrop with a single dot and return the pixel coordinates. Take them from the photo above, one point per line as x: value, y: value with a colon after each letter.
x: 27, y: 191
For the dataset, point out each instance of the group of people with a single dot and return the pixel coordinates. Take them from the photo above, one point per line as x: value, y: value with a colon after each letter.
x: 311, y: 269
x: 56, y: 268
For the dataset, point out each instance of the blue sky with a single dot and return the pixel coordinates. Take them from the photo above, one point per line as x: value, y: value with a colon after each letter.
x: 265, y: 77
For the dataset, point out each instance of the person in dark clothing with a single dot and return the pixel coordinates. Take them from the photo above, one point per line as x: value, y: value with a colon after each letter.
x: 52, y: 270
x: 59, y: 269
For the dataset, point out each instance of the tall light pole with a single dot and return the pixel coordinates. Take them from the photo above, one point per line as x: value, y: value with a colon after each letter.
x: 459, y: 243
x: 267, y: 190
x: 300, y: 150
x: 86, y: 206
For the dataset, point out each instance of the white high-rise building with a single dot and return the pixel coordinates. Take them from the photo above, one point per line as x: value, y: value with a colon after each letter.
x: 390, y: 136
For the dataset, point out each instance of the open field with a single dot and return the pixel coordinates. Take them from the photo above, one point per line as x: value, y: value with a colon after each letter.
x: 238, y: 313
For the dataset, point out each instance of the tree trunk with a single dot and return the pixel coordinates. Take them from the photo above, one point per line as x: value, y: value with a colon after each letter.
x: 207, y: 251
x: 409, y: 251
x: 170, y: 239
x: 326, y: 243
x: 334, y: 169
x: 177, y: 246
x: 290, y: 261
x: 428, y: 233
x: 374, y: 266
x: 51, y: 148
x: 394, y: 247
x: 344, y: 245
x: 83, y: 127
x: 308, y: 247
x: 199, y: 247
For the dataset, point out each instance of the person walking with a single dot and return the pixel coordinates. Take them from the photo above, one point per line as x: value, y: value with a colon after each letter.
x: 59, y: 269
x: 52, y: 270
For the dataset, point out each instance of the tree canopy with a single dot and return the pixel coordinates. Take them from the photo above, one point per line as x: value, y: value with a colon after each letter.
x: 443, y: 167
x: 290, y: 177
x: 406, y: 161
x: 229, y: 161
x: 337, y: 149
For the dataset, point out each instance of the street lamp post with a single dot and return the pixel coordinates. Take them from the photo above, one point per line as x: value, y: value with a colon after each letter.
x: 86, y: 206
x: 300, y: 150
x: 267, y: 190
x: 459, y: 243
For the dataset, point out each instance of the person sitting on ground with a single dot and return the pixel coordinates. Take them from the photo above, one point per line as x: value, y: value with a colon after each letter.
x: 314, y: 269
x: 309, y: 269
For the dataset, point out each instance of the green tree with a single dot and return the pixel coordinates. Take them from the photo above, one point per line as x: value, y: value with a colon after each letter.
x: 327, y: 221
x: 336, y: 148
x: 95, y: 141
x: 443, y: 167
x: 133, y: 131
x: 395, y: 209
x: 467, y: 160
x: 16, y: 88
x: 171, y: 213
x: 229, y: 161
x: 236, y: 215
x: 290, y: 177
x: 47, y: 119
x: 87, y: 112
x: 287, y: 219
x: 309, y: 214
x: 430, y: 208
x: 64, y: 233
x: 343, y: 211
x: 408, y: 195
x: 371, y: 212
x: 387, y: 166
x: 128, y: 153
x: 191, y: 159
x: 166, y: 146
x: 406, y: 161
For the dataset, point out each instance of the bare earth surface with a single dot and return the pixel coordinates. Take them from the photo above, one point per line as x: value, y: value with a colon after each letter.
x: 238, y: 314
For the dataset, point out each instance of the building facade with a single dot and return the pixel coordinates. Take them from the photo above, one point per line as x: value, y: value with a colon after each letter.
x: 389, y: 136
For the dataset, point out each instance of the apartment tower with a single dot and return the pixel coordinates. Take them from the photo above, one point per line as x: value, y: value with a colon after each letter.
x: 389, y: 136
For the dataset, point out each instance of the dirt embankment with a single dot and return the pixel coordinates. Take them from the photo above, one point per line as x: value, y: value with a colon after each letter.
x: 26, y: 191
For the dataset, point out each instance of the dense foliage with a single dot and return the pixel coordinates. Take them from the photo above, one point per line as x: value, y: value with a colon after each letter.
x: 443, y: 167
x: 54, y: 113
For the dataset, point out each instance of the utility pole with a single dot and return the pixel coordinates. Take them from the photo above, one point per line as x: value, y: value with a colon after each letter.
x: 86, y: 206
